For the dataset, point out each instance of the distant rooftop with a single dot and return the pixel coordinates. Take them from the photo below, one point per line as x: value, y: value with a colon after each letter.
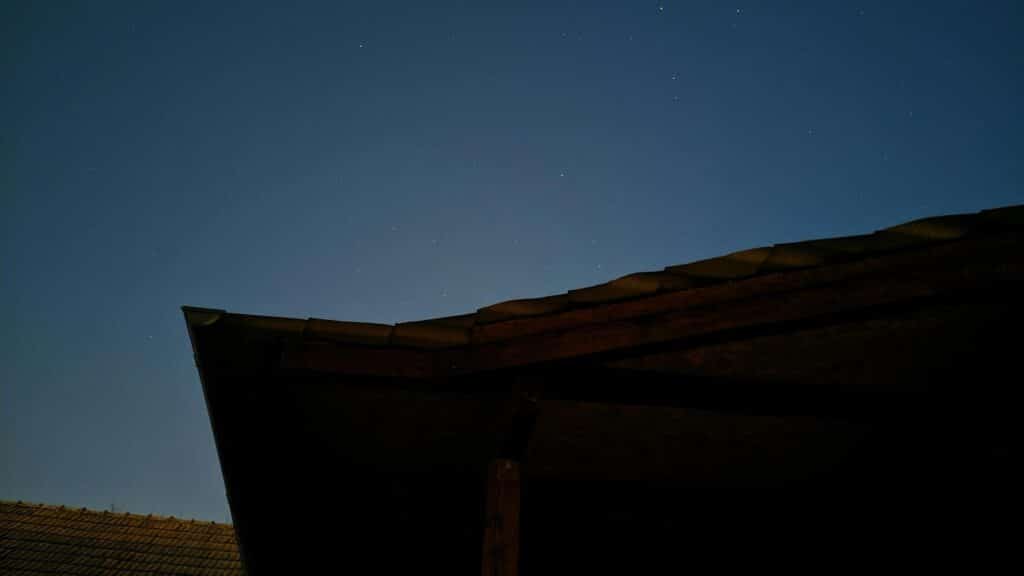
x: 42, y: 539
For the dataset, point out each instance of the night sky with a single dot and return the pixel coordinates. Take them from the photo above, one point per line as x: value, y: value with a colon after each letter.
x: 393, y: 161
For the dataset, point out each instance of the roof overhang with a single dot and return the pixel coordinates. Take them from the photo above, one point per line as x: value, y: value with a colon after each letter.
x: 802, y: 369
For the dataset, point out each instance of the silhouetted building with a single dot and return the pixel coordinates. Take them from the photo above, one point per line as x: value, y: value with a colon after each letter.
x: 845, y: 399
x: 37, y: 539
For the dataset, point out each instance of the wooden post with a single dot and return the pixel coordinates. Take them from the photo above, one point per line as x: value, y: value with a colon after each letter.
x: 501, y: 532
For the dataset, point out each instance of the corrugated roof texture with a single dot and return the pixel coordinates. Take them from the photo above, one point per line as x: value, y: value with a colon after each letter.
x: 40, y: 539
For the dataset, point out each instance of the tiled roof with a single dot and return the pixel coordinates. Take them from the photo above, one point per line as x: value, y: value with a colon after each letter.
x: 41, y: 539
x: 453, y: 331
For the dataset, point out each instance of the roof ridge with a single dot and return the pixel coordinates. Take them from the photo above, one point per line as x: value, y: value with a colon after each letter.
x: 458, y: 330
x: 83, y: 510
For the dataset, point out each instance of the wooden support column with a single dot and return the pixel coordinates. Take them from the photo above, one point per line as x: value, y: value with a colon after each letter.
x: 501, y: 532
x: 504, y: 481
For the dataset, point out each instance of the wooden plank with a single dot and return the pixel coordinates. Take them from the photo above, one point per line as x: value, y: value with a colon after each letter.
x: 339, y: 358
x: 501, y: 531
x: 998, y: 249
x: 819, y: 293
x: 945, y: 273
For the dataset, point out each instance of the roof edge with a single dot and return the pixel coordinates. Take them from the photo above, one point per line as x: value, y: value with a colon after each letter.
x: 197, y: 316
x: 87, y: 510
x: 460, y: 330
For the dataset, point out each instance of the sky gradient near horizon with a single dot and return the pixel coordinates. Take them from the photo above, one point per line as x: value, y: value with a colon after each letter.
x: 397, y: 161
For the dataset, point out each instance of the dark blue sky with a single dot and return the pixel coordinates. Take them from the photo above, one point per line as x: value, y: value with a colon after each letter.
x: 391, y: 161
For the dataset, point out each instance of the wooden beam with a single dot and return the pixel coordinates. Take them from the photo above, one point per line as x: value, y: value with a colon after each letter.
x: 934, y: 263
x: 339, y: 358
x: 965, y: 270
x: 812, y: 295
x: 501, y: 530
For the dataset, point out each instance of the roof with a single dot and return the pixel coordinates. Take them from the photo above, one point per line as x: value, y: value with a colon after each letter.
x: 487, y: 324
x: 42, y: 539
x: 766, y: 382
